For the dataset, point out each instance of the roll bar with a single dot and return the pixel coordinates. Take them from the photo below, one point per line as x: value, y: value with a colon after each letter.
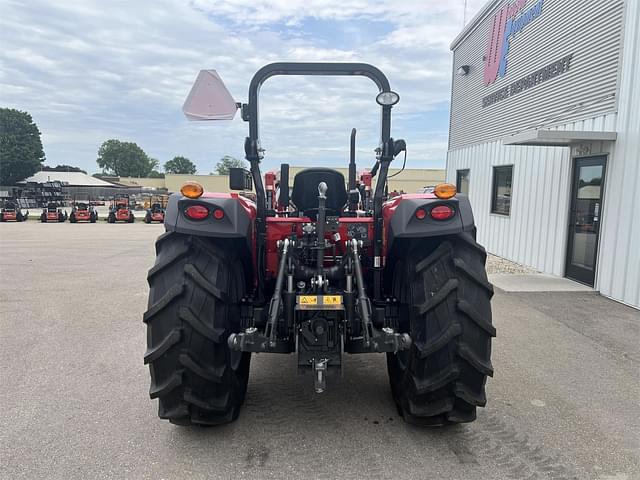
x: 254, y: 152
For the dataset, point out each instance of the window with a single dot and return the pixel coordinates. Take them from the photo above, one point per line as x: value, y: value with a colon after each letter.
x: 501, y: 195
x: 462, y: 181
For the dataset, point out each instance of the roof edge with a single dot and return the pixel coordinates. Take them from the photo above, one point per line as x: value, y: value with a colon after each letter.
x: 474, y: 23
x: 558, y: 138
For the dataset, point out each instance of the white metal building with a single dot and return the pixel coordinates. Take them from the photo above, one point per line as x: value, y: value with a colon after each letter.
x: 545, y: 136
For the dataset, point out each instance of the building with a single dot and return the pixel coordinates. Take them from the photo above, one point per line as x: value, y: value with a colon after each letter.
x: 77, y: 184
x: 410, y: 180
x: 544, y: 136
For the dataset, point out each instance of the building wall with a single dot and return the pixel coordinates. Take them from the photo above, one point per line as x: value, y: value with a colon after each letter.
x: 211, y: 183
x: 410, y: 180
x: 142, y: 182
x: 619, y: 266
x: 535, y: 234
x: 589, y: 30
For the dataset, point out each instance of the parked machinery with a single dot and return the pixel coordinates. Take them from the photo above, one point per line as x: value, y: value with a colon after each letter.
x: 155, y: 212
x: 327, y: 270
x: 120, y: 210
x: 83, y: 211
x: 11, y: 212
x: 53, y: 213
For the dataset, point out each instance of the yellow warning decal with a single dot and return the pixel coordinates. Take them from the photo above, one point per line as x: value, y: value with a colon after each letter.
x: 319, y: 299
x: 332, y: 299
x: 308, y: 300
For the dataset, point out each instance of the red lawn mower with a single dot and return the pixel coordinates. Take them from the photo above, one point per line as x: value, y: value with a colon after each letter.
x: 155, y: 212
x: 120, y: 210
x: 11, y: 212
x: 53, y: 213
x: 83, y: 211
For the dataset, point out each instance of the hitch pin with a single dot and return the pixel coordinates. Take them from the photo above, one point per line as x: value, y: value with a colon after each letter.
x: 320, y: 374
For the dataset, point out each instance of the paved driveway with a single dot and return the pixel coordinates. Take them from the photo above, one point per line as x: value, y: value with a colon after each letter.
x: 564, y: 402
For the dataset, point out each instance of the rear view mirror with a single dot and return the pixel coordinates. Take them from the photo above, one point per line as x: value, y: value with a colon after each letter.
x: 209, y: 99
x: 240, y: 179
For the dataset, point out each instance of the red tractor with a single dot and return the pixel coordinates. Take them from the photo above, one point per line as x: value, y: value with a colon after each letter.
x: 83, y: 211
x: 53, y: 213
x: 120, y: 210
x: 11, y: 212
x: 333, y: 267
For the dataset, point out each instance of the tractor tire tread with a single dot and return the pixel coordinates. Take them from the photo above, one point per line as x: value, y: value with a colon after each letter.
x: 177, y: 255
x: 441, y: 379
x: 214, y: 374
x: 195, y: 377
x: 198, y: 325
x: 165, y: 344
x: 165, y: 301
x: 200, y: 280
x: 172, y: 382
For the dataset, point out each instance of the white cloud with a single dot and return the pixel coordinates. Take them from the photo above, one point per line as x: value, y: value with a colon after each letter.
x: 89, y: 70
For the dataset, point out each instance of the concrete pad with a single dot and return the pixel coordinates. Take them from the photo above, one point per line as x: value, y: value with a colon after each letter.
x: 74, y: 396
x: 536, y: 283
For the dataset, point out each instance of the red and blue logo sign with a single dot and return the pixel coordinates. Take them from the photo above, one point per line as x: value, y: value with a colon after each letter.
x: 507, y: 23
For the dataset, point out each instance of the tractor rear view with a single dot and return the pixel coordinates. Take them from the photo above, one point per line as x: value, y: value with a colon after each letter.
x: 52, y: 213
x: 83, y: 211
x: 332, y: 266
x: 155, y: 212
x: 120, y: 210
x: 11, y: 212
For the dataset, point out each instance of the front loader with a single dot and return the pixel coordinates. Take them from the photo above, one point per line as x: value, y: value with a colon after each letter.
x: 332, y: 266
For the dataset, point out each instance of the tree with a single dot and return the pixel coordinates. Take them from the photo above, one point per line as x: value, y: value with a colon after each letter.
x: 156, y: 174
x: 62, y: 168
x: 21, y: 153
x: 227, y: 162
x: 124, y: 159
x: 180, y: 165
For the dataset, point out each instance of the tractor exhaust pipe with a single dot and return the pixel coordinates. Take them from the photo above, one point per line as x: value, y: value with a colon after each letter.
x: 322, y: 218
x: 353, y: 193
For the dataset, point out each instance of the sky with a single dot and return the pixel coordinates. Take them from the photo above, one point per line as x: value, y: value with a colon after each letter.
x: 90, y: 70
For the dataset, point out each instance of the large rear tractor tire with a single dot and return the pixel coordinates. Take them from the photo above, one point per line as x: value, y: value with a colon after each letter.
x: 196, y: 287
x: 445, y: 306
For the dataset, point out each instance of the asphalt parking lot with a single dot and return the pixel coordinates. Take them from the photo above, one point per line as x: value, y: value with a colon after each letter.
x: 564, y: 402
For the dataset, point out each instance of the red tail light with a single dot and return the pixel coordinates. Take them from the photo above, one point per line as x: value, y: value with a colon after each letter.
x: 218, y: 214
x: 197, y: 212
x: 421, y: 213
x: 442, y: 212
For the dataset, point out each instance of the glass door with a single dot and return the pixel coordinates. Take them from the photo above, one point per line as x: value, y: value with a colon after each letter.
x: 585, y: 218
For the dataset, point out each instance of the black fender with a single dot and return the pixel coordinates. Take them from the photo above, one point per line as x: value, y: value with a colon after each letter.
x: 404, y: 224
x: 236, y: 222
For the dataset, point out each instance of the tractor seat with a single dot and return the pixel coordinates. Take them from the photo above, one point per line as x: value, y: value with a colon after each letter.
x: 305, y: 189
